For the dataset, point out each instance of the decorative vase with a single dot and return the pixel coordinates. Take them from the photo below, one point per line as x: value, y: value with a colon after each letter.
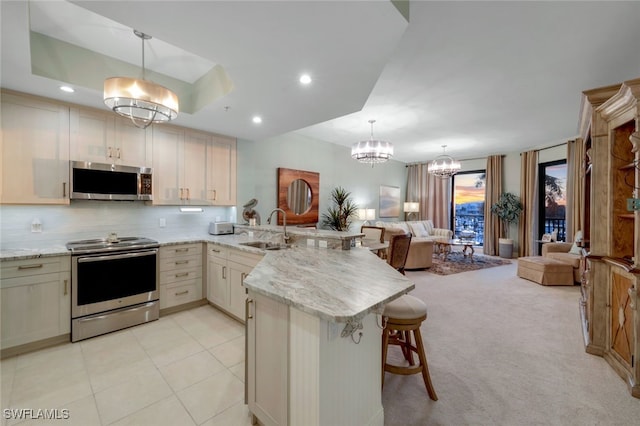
x: 505, y: 247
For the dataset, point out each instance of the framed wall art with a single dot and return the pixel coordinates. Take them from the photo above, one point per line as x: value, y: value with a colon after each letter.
x: 389, y: 201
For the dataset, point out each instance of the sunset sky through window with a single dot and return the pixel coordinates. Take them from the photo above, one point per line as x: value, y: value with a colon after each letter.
x: 466, y: 191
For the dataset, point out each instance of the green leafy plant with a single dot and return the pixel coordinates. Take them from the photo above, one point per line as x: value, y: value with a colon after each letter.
x: 344, y: 210
x: 508, y: 209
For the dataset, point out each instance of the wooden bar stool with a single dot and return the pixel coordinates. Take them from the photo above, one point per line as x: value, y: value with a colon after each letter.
x: 403, y: 318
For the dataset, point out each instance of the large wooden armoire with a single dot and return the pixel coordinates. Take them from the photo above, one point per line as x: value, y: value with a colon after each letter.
x: 610, y: 126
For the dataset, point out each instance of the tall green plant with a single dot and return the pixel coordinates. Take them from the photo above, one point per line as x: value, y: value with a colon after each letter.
x: 344, y: 210
x: 508, y: 209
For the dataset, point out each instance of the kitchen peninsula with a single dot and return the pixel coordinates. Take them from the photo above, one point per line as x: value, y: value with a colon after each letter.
x: 314, y: 335
x: 312, y: 316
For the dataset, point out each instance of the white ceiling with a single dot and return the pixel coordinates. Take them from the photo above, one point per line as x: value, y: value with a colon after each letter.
x: 481, y: 77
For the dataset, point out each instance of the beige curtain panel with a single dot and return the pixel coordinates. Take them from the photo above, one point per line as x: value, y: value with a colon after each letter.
x: 576, y: 162
x: 528, y: 224
x: 492, y: 224
x: 432, y: 193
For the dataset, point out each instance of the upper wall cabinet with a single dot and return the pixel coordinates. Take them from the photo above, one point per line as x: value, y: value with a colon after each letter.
x: 35, y: 151
x: 40, y: 136
x: 179, y: 164
x: 193, y: 168
x: 104, y: 137
x: 221, y: 171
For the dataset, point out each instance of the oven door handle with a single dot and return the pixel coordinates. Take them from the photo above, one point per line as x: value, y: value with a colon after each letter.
x: 116, y: 256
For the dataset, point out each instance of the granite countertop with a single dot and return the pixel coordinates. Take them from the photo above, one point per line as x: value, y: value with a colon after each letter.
x: 33, y: 253
x: 303, y: 231
x: 231, y: 241
x: 336, y: 285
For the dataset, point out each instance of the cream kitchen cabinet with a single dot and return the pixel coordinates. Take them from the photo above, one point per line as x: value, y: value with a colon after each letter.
x: 301, y: 371
x: 35, y: 151
x: 105, y: 137
x: 179, y: 164
x: 36, y: 301
x: 267, y: 375
x: 180, y: 274
x: 221, y: 171
x: 226, y: 270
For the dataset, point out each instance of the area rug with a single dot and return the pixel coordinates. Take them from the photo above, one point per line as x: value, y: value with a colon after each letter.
x: 456, y: 262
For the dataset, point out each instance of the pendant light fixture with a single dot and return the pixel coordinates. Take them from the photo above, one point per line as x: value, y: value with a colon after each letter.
x: 372, y: 151
x: 141, y: 100
x: 444, y: 166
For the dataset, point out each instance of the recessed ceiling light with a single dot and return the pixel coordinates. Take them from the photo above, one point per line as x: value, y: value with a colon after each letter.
x: 67, y: 89
x: 257, y: 119
x: 305, y: 79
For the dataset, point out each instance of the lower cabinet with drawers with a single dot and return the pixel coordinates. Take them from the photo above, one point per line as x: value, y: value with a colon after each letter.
x: 36, y: 303
x: 226, y: 270
x: 180, y: 274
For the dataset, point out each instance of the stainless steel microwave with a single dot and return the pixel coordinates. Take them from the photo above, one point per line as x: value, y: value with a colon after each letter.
x: 97, y: 181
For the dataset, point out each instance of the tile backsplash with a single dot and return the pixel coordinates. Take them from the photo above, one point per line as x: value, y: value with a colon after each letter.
x: 96, y: 219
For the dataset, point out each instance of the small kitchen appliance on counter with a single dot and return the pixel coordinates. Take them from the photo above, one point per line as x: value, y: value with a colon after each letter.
x: 220, y: 228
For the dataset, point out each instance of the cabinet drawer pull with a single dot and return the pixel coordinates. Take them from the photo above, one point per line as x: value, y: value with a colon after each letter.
x: 23, y: 267
x: 64, y: 189
x: 215, y: 251
x: 184, y: 274
x: 182, y: 250
x: 118, y: 153
x: 182, y: 262
x: 188, y: 194
x: 224, y: 272
x: 65, y: 287
x: 109, y: 153
x: 182, y: 292
x: 248, y: 308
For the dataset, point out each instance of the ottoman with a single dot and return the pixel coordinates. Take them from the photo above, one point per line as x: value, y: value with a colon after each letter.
x: 545, y: 271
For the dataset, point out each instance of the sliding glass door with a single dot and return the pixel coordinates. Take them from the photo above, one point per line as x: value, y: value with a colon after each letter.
x: 468, y: 203
x: 553, y: 201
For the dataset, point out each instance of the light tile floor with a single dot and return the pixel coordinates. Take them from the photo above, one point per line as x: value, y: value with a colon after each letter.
x: 184, y: 369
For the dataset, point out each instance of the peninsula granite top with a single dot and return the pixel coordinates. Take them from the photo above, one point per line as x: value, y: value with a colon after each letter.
x: 335, y: 285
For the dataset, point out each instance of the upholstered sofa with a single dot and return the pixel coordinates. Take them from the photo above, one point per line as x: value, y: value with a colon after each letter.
x: 567, y: 253
x: 423, y: 234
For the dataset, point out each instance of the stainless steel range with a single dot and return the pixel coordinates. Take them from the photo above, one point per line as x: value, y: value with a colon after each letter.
x: 114, y: 284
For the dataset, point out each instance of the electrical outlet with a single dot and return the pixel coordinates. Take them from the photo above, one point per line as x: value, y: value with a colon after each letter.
x: 163, y: 222
x: 322, y: 244
x: 36, y: 225
x: 311, y: 242
x: 633, y: 204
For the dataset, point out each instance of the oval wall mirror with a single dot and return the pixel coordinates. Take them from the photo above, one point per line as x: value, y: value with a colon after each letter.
x: 299, y: 196
x: 298, y: 192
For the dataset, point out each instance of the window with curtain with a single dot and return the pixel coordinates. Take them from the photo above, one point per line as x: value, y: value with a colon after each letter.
x: 553, y: 199
x: 468, y: 195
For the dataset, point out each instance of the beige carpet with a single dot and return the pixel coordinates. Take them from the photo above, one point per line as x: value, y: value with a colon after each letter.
x: 505, y: 351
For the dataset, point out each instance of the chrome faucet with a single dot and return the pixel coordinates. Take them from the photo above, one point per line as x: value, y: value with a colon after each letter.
x: 284, y: 222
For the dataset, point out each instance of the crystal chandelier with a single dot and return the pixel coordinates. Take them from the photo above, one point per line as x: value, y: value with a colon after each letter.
x: 444, y: 165
x: 372, y: 151
x: 141, y: 100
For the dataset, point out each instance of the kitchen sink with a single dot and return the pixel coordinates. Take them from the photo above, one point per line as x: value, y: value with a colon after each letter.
x: 265, y: 245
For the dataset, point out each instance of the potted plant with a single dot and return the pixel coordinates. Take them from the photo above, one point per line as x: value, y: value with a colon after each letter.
x: 508, y: 209
x: 344, y: 210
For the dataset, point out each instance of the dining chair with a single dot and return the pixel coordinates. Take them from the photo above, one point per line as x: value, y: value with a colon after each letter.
x: 375, y: 233
x: 398, y: 251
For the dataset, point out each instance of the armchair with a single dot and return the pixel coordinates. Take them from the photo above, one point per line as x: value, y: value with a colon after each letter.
x: 567, y: 253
